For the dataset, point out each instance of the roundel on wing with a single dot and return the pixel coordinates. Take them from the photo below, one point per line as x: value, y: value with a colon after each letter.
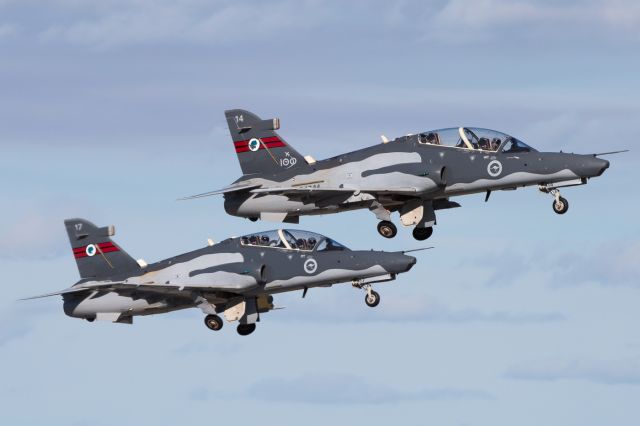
x: 254, y: 144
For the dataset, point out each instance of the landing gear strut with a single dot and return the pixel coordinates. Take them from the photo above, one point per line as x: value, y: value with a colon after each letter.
x: 387, y: 229
x: 372, y: 298
x: 560, y: 204
x: 246, y: 329
x: 213, y: 322
x: 422, y: 234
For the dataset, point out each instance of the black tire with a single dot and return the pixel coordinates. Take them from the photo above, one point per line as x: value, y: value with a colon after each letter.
x: 91, y: 319
x: 213, y: 322
x: 372, y: 301
x: 422, y: 234
x: 387, y: 229
x: 246, y: 329
x: 561, y: 206
x: 253, y: 219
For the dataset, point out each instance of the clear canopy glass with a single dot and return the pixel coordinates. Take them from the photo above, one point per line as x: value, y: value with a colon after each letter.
x: 474, y: 138
x: 292, y: 239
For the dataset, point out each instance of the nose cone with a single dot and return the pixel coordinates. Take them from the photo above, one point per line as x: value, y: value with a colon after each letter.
x: 593, y: 166
x: 397, y: 263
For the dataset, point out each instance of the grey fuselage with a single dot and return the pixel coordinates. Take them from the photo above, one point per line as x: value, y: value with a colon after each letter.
x: 404, y: 169
x: 217, y: 274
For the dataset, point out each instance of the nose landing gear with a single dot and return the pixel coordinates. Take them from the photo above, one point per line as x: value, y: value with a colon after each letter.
x: 372, y: 298
x: 560, y: 204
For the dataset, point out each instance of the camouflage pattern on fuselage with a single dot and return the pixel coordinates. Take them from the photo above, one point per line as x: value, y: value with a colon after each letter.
x: 386, y: 177
x: 214, y: 278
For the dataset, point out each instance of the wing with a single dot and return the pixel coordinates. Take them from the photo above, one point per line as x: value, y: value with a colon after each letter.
x: 228, y: 189
x: 327, y: 191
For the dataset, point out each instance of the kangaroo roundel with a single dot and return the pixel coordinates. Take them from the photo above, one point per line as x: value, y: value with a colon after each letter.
x: 310, y: 266
x: 494, y: 168
x: 254, y: 144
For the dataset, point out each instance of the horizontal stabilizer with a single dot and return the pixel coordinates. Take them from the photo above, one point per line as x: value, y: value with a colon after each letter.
x: 233, y: 188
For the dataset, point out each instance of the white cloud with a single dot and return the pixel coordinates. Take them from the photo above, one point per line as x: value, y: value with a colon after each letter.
x: 116, y: 22
x: 34, y: 229
x: 333, y: 306
x: 193, y: 21
x: 328, y: 388
x: 624, y: 371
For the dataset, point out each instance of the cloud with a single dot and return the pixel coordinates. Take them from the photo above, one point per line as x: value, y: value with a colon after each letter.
x: 415, y: 308
x: 117, y: 22
x: 206, y: 22
x: 615, y: 372
x: 611, y: 264
x: 328, y: 388
x: 20, y: 318
x: 34, y: 229
x: 462, y: 21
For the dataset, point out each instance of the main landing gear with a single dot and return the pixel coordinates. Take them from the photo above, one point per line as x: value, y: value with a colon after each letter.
x: 246, y: 329
x: 387, y: 229
x: 213, y: 322
x: 422, y: 234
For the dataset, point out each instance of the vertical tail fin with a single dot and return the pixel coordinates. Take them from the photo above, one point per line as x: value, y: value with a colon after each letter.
x: 259, y: 148
x: 97, y: 256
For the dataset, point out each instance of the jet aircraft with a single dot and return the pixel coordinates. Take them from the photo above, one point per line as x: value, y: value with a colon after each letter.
x: 236, y: 277
x: 414, y: 175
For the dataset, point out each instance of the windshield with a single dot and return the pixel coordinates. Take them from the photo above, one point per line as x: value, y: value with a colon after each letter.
x: 293, y: 239
x: 514, y: 145
x: 470, y: 138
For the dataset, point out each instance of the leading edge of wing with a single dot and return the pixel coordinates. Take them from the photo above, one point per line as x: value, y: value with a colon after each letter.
x: 63, y: 292
x: 228, y: 189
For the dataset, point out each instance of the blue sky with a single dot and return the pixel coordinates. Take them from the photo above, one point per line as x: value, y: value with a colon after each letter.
x: 111, y: 110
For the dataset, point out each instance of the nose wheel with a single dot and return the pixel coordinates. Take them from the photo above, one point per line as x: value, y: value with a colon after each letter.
x: 372, y: 299
x: 387, y: 229
x: 213, y: 322
x: 246, y: 329
x: 560, y: 205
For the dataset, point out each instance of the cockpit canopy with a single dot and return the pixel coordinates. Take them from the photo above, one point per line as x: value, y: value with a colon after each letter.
x: 474, y: 138
x: 292, y: 239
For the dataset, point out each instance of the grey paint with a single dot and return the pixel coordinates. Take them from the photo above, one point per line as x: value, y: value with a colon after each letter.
x: 383, y: 178
x: 212, y: 278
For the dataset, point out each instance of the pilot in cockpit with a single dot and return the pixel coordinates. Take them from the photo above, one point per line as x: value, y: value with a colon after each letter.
x: 484, y: 143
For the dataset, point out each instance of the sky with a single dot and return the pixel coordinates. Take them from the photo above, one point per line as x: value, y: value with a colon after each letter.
x: 112, y: 110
